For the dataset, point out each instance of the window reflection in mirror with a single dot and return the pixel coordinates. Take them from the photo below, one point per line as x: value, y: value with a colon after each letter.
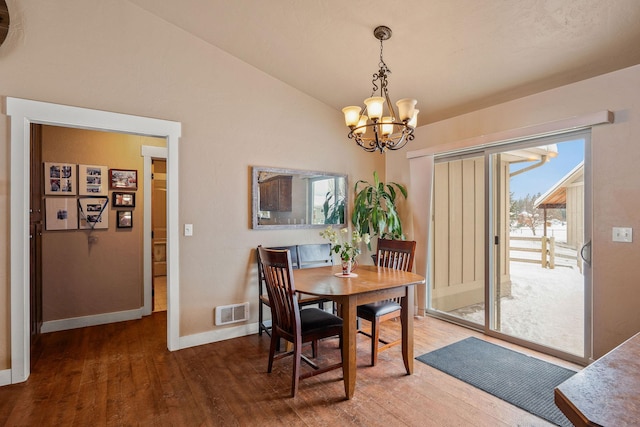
x: 289, y: 198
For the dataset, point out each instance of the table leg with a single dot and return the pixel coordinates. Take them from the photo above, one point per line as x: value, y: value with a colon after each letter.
x: 407, y: 329
x: 349, y: 332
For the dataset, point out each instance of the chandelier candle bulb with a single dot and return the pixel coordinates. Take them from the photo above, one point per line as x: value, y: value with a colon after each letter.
x: 351, y: 115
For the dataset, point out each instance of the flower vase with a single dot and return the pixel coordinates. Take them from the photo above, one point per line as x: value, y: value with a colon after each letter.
x: 346, y: 267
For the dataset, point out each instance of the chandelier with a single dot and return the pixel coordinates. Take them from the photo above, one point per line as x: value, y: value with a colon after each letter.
x: 381, y: 129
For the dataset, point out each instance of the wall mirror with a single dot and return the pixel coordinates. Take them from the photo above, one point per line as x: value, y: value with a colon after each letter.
x: 290, y: 198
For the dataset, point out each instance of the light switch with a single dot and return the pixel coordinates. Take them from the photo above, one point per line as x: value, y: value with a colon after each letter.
x: 623, y: 234
x: 188, y: 229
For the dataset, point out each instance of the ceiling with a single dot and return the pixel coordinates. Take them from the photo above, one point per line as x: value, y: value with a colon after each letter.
x: 454, y: 56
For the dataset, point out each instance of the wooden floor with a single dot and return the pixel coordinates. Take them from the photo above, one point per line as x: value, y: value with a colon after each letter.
x: 123, y: 375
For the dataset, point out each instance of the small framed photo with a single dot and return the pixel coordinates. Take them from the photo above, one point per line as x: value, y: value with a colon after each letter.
x: 61, y: 213
x: 93, y: 212
x: 125, y: 219
x: 124, y: 179
x: 92, y: 180
x: 59, y: 179
x: 124, y: 200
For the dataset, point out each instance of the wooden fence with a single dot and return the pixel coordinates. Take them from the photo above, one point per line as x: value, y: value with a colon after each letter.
x: 543, y: 251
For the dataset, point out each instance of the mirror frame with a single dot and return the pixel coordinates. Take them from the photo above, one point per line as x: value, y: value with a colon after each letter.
x: 255, y: 192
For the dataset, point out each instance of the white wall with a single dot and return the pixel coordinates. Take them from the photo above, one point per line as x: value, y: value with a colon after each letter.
x: 616, y: 181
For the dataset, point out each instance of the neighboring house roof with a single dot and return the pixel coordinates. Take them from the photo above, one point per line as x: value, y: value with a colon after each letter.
x: 556, y: 196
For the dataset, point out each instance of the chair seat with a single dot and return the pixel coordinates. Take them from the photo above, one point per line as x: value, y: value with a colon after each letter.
x: 377, y: 309
x: 313, y: 319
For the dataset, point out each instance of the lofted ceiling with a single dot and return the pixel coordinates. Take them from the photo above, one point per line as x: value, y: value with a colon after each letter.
x: 454, y: 56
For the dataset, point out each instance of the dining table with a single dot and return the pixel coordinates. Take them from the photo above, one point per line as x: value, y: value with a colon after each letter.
x: 367, y: 284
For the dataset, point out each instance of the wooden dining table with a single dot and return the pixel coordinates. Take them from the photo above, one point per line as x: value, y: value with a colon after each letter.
x: 367, y: 284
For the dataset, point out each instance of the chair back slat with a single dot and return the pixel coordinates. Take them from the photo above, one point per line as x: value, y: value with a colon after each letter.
x: 396, y: 254
x: 278, y: 274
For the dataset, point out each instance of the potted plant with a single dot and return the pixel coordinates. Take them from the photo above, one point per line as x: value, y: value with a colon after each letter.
x: 374, y: 209
x: 346, y: 245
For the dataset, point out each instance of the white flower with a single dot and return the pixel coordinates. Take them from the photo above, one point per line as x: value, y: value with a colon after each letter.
x: 347, y: 244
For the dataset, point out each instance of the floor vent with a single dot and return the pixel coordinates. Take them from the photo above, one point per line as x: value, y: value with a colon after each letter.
x: 233, y: 313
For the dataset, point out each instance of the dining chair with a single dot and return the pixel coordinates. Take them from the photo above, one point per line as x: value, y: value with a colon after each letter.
x: 396, y: 254
x: 314, y: 255
x: 263, y: 297
x: 289, y: 322
x: 302, y: 256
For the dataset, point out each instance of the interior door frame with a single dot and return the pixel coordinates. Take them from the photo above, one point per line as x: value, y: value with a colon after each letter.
x: 149, y: 153
x: 25, y: 112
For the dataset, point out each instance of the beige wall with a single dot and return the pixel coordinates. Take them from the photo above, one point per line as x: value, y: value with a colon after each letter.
x: 104, y: 276
x: 616, y: 181
x: 114, y: 56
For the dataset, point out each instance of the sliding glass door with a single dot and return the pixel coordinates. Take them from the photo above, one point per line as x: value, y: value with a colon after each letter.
x: 508, y: 225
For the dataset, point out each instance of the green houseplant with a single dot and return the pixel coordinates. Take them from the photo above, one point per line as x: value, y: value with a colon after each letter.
x: 374, y: 209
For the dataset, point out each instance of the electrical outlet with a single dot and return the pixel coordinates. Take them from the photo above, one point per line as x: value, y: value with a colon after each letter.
x: 623, y: 234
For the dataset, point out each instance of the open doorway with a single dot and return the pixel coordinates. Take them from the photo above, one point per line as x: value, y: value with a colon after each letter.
x: 23, y: 113
x: 92, y: 242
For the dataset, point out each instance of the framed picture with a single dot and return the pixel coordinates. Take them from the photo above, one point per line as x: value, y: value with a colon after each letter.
x: 92, y: 180
x: 59, y: 179
x: 125, y: 219
x: 61, y: 213
x: 123, y: 179
x: 124, y: 200
x: 93, y: 212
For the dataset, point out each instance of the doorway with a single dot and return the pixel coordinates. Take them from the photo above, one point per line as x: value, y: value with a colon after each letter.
x: 23, y: 113
x: 509, y: 223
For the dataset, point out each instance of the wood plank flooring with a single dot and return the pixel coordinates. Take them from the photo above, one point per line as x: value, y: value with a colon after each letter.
x: 123, y: 375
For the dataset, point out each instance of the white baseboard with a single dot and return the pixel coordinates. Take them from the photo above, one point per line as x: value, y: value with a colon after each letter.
x: 5, y: 377
x: 93, y: 320
x: 218, y: 335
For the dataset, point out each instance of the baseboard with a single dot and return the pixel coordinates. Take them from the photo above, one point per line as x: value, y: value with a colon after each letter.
x: 216, y: 335
x: 5, y: 377
x: 93, y: 320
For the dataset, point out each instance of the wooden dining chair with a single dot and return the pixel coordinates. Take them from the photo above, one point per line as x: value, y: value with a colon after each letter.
x: 396, y: 254
x: 302, y: 256
x: 263, y: 297
x: 289, y: 322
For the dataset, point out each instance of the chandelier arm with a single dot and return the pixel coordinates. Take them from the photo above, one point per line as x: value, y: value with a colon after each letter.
x: 361, y: 142
x: 402, y: 141
x: 392, y: 112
